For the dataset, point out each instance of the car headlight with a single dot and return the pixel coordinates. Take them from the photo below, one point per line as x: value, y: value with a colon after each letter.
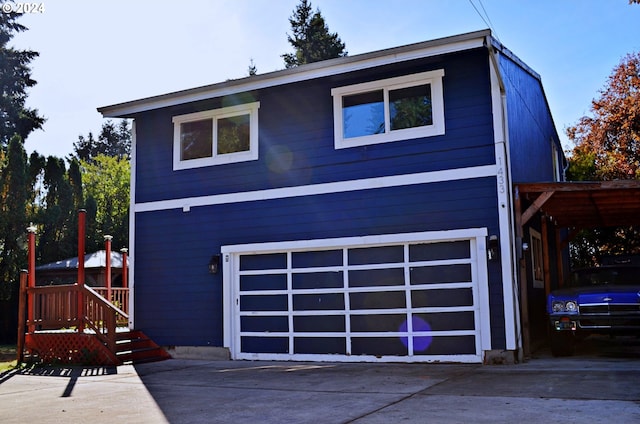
x: 557, y: 306
x: 564, y: 306
x: 571, y: 306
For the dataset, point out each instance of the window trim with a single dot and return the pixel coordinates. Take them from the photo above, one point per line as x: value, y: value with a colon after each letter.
x: 434, y: 78
x: 250, y: 109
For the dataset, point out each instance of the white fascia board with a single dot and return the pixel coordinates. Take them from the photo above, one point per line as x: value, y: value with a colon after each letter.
x: 302, y: 73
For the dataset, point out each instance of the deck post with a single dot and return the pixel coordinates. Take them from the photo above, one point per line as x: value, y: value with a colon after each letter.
x: 31, y: 273
x: 107, y: 274
x: 124, y: 251
x: 81, y: 236
x: 21, y: 315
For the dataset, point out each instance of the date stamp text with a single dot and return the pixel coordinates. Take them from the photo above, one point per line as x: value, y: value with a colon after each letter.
x: 19, y: 7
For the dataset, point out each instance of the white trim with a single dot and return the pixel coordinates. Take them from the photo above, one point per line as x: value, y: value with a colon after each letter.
x: 302, y: 73
x: 214, y: 115
x: 484, y: 309
x: 371, y: 240
x: 505, y: 208
x: 132, y: 226
x: 433, y: 78
x: 478, y: 284
x: 324, y: 188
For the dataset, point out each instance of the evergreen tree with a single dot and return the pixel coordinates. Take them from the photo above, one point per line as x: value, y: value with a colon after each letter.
x: 114, y: 140
x: 13, y: 219
x: 15, y: 79
x: 57, y: 217
x: 311, y: 40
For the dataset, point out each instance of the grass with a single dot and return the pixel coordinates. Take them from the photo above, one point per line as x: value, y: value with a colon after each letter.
x: 7, y: 357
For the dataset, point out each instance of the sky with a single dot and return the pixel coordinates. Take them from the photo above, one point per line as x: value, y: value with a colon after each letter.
x: 97, y: 53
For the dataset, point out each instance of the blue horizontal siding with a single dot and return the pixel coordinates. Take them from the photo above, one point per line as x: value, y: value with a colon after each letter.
x: 531, y: 128
x: 179, y: 303
x: 297, y: 119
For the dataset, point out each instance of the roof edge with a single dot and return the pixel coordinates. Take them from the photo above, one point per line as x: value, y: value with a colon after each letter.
x: 301, y: 73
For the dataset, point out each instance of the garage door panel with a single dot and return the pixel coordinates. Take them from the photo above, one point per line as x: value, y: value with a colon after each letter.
x: 451, y: 345
x: 263, y: 282
x: 277, y: 302
x: 439, y: 251
x: 319, y: 324
x: 376, y: 277
x: 378, y: 346
x: 263, y: 262
x: 267, y: 323
x: 442, y: 298
x: 317, y: 280
x: 316, y: 258
x: 378, y: 300
x: 448, y: 321
x: 440, y: 274
x: 376, y: 255
x: 377, y: 322
x: 252, y: 344
x: 318, y: 302
x: 324, y: 345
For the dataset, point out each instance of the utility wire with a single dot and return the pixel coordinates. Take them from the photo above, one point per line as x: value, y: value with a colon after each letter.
x: 485, y: 17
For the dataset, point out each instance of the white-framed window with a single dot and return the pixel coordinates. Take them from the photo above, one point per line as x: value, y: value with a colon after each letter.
x: 537, y: 259
x: 393, y: 109
x: 216, y: 137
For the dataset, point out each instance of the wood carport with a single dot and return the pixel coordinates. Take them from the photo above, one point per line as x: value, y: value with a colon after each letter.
x: 570, y: 206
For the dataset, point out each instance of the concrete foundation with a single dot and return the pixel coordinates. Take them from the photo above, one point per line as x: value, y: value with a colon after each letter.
x: 204, y: 353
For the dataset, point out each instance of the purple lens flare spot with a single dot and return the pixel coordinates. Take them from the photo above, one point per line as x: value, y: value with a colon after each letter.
x: 420, y: 343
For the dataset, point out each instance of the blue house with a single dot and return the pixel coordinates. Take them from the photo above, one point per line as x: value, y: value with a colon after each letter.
x: 355, y: 209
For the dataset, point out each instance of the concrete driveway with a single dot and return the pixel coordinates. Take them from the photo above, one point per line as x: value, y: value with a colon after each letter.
x: 594, y: 386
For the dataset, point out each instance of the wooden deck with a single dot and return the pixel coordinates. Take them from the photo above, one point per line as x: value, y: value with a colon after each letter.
x: 75, y: 324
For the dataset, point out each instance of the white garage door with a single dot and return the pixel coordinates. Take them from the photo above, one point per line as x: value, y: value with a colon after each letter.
x: 405, y: 297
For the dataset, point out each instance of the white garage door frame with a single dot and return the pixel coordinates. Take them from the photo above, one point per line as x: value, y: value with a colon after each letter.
x: 479, y: 285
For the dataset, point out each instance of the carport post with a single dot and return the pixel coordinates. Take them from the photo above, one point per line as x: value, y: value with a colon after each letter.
x: 522, y: 284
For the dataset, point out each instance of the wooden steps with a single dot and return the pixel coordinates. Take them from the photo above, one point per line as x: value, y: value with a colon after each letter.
x: 134, y: 347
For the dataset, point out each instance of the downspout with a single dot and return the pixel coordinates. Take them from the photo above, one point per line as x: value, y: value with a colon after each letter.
x: 512, y: 317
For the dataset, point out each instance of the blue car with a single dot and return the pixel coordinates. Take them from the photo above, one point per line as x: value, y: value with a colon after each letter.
x: 603, y: 300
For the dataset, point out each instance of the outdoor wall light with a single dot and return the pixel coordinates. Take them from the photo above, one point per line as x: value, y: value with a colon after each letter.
x: 493, y: 247
x: 214, y: 264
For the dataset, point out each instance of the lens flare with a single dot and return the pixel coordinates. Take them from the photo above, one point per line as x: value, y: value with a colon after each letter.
x: 420, y: 343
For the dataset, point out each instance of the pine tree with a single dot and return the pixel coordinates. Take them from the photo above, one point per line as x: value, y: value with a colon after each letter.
x: 114, y: 140
x: 15, y: 79
x: 311, y: 38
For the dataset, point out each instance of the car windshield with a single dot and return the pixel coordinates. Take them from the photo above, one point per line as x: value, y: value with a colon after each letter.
x: 624, y: 276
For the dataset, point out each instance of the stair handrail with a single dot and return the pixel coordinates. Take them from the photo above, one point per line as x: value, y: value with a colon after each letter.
x: 101, y: 316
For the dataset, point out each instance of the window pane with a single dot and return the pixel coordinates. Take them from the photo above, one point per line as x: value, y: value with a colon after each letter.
x: 233, y: 134
x: 195, y: 139
x: 363, y: 114
x: 410, y: 107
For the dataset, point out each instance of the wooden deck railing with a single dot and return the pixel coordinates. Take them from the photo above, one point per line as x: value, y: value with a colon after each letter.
x: 56, y: 308
x: 119, y: 297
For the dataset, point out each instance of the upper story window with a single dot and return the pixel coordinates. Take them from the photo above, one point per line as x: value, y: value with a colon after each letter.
x: 393, y: 109
x: 216, y: 137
